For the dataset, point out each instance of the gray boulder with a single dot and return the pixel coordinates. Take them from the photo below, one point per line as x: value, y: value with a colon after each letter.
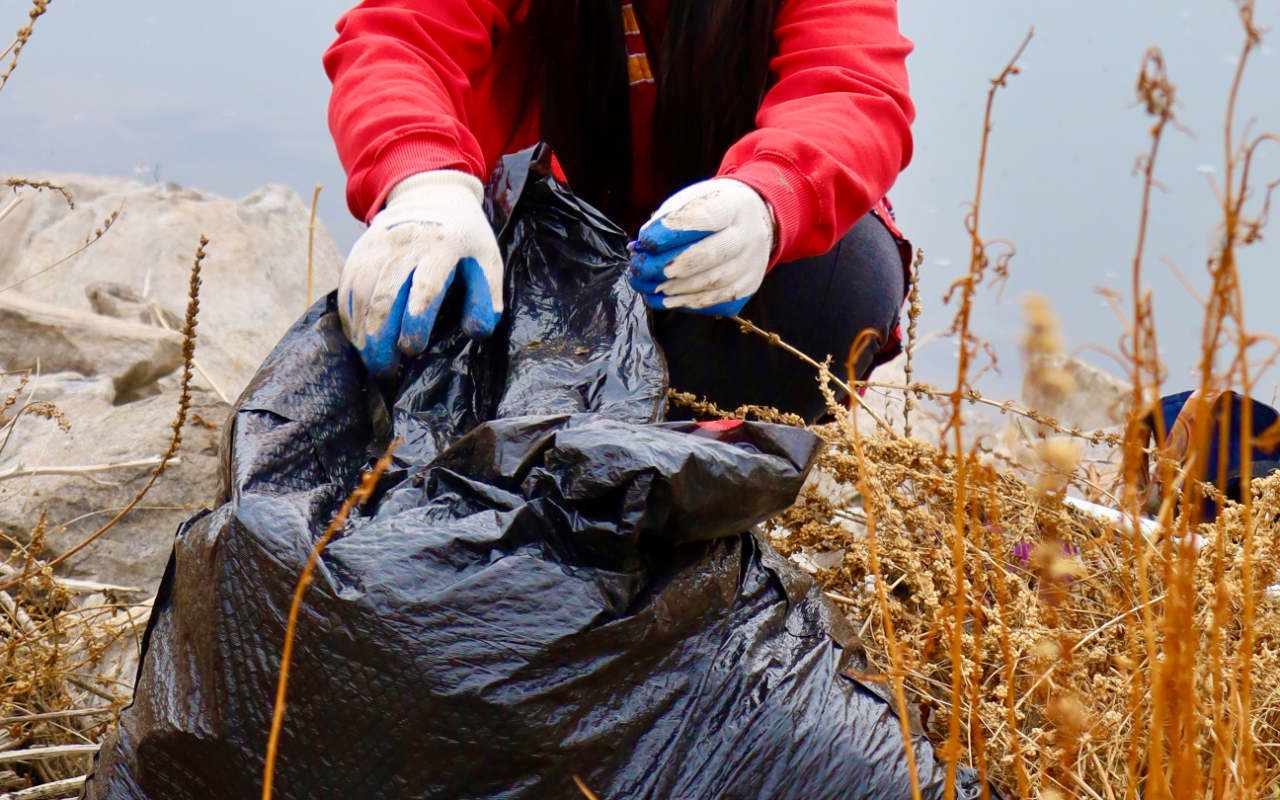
x: 57, y: 339
x: 43, y: 472
x: 99, y: 330
x: 255, y: 276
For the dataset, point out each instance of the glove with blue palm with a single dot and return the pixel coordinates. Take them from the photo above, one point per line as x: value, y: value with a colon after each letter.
x: 706, y: 249
x: 432, y: 230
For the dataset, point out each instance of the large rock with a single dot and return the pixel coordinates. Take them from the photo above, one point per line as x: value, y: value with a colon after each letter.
x: 101, y: 328
x: 57, y: 339
x: 77, y: 503
x: 255, y: 276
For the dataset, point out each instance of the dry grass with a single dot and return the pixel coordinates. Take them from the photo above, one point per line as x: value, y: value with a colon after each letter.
x: 311, y: 241
x: 1068, y: 620
x: 69, y: 646
x: 38, y: 7
x: 1063, y: 654
x: 65, y: 673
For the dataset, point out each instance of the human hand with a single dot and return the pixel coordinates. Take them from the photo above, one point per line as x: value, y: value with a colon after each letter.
x: 705, y: 249
x: 432, y: 230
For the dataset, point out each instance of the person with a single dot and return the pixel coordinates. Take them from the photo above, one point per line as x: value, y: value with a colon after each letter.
x: 772, y: 128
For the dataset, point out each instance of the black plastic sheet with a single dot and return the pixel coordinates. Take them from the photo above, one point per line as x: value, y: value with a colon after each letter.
x: 549, y: 583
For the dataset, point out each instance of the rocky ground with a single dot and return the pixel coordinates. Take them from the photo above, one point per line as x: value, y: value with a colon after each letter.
x: 99, y: 331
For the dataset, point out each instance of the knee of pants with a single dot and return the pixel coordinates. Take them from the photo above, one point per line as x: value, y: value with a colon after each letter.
x: 825, y: 302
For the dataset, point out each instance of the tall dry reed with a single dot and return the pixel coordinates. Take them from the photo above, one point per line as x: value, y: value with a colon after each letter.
x: 1064, y: 653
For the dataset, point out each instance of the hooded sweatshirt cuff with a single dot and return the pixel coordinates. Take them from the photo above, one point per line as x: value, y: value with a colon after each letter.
x: 406, y: 157
x: 789, y: 194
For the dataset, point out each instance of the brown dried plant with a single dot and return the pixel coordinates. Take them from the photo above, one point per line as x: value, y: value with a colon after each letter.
x: 1062, y: 653
x: 914, y: 310
x: 36, y: 408
x: 361, y: 495
x: 38, y: 8
x: 311, y: 240
x: 964, y: 682
x: 89, y: 240
x: 582, y: 787
x: 17, y: 183
x: 58, y: 635
x: 54, y: 691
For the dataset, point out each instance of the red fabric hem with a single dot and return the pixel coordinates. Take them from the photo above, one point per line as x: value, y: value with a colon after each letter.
x: 406, y: 157
x: 789, y: 193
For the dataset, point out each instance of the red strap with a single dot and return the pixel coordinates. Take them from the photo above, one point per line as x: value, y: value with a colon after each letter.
x: 720, y: 425
x: 643, y: 97
x: 557, y: 171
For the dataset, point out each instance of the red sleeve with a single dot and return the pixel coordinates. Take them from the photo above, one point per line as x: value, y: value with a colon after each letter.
x: 402, y: 72
x: 834, y: 130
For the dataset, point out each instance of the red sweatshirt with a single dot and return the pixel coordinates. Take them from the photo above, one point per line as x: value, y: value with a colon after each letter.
x: 415, y: 87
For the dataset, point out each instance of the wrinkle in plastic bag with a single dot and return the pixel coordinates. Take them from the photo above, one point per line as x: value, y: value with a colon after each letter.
x: 550, y: 583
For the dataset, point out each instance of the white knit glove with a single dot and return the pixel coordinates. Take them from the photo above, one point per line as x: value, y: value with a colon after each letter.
x: 705, y: 249
x: 432, y: 230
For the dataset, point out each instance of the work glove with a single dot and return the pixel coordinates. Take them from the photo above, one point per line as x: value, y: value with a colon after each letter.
x: 705, y: 249
x: 432, y: 230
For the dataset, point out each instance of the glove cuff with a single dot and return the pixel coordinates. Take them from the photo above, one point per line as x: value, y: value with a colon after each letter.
x: 767, y: 215
x: 435, y: 182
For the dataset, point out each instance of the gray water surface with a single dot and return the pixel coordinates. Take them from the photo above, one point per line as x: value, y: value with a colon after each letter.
x: 227, y: 96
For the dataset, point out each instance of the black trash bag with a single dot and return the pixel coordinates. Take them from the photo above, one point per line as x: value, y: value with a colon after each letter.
x: 549, y: 584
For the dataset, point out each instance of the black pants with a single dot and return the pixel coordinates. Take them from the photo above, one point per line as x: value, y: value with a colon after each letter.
x: 818, y: 305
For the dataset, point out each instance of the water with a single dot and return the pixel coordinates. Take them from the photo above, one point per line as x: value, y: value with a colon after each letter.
x: 231, y: 95
x: 1061, y: 182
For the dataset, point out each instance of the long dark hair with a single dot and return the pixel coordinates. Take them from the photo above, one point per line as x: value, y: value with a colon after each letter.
x: 711, y: 68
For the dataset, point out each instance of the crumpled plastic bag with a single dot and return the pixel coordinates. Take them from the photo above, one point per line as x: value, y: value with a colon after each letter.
x: 549, y: 583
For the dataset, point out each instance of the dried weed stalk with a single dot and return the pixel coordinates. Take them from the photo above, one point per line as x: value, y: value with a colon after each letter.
x: 361, y: 495
x: 914, y: 310
x: 311, y: 239
x: 38, y: 8
x: 20, y: 183
x: 964, y: 682
x: 582, y: 787
x: 36, y: 408
x: 1063, y: 653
